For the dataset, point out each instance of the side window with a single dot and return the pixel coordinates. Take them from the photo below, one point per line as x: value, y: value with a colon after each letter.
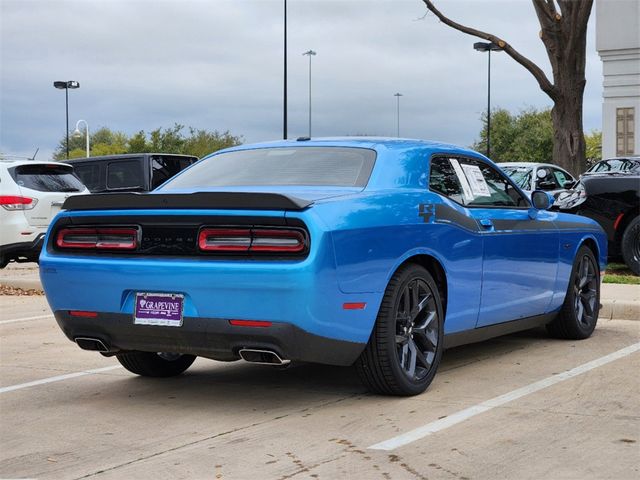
x: 479, y: 184
x: 90, y: 176
x: 443, y: 179
x: 124, y: 174
x: 561, y: 177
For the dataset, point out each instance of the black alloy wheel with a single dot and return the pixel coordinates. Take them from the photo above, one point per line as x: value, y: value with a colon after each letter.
x: 579, y: 313
x: 405, y: 347
x: 630, y: 246
x: 417, y: 330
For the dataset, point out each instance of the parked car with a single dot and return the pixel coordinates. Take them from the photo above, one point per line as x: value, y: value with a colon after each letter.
x: 539, y: 176
x: 610, y: 194
x: 378, y: 252
x: 137, y: 172
x: 31, y: 193
x: 619, y: 164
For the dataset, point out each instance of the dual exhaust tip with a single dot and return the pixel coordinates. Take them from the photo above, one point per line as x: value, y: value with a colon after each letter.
x: 251, y: 355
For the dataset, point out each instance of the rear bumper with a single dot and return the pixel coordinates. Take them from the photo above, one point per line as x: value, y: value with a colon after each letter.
x: 23, y: 251
x: 209, y: 337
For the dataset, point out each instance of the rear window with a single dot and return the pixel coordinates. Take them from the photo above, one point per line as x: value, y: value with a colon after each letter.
x: 304, y: 166
x: 125, y: 174
x: 164, y: 167
x: 47, y: 178
x: 90, y: 176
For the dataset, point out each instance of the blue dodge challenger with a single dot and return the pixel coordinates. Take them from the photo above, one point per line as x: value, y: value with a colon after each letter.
x: 374, y: 252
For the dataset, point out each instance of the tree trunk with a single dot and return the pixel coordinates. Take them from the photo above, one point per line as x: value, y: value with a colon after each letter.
x: 568, y: 136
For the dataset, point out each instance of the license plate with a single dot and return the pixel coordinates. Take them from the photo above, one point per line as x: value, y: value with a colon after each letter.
x: 162, y: 309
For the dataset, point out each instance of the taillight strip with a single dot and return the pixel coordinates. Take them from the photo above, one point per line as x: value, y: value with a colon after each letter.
x: 125, y: 238
x: 263, y: 240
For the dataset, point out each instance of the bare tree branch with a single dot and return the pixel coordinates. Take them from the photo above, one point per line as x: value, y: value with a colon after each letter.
x: 545, y: 85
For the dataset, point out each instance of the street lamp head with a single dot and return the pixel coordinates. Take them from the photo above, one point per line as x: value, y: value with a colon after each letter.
x: 486, y: 46
x: 309, y: 52
x: 64, y: 85
x: 397, y: 95
x: 77, y: 133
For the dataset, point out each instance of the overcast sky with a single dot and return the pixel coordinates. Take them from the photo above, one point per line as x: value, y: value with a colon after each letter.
x: 217, y: 64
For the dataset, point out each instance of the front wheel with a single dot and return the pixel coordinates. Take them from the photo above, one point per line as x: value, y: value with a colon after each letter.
x: 579, y: 313
x: 630, y: 246
x: 150, y: 364
x: 405, y: 347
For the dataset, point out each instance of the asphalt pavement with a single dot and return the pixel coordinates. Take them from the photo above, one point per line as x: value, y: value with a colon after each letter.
x: 522, y: 406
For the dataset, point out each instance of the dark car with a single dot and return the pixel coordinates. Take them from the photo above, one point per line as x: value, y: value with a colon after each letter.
x: 137, y: 172
x: 609, y: 192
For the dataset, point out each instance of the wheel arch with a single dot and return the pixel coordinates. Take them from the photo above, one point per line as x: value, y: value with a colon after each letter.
x: 434, y: 266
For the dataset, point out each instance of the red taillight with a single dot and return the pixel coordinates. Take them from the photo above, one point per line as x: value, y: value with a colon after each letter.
x: 617, y: 222
x: 15, y: 202
x: 250, y: 323
x: 354, y: 306
x: 251, y: 240
x: 225, y: 239
x: 98, y: 238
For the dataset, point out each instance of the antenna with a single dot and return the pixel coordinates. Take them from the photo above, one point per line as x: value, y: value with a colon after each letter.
x: 34, y: 155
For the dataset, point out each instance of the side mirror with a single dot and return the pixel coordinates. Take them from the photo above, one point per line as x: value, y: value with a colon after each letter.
x: 541, y: 200
x: 568, y: 185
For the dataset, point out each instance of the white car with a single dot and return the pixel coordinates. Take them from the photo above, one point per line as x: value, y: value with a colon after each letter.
x: 531, y: 176
x: 31, y: 194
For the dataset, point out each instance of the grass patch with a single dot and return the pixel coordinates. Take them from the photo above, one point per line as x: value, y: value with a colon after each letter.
x: 621, y: 274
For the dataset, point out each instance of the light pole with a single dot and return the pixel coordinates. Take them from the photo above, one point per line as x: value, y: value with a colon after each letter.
x: 309, y: 53
x: 488, y: 47
x: 77, y: 133
x: 61, y: 85
x: 398, y: 95
x: 284, y: 108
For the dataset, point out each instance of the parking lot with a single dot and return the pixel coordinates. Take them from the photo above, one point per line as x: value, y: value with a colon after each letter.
x: 67, y: 413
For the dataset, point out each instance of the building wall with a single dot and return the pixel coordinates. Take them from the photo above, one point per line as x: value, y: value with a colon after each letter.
x: 618, y: 43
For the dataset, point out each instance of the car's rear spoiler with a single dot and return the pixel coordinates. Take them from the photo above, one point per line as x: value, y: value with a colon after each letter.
x: 200, y: 200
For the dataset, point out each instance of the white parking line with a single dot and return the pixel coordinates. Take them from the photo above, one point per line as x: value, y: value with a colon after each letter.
x: 14, y: 320
x: 462, y: 415
x: 57, y: 378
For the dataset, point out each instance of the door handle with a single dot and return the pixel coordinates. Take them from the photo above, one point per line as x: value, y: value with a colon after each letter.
x: 486, y: 223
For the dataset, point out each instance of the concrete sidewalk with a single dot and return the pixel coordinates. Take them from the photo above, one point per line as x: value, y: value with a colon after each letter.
x: 621, y: 302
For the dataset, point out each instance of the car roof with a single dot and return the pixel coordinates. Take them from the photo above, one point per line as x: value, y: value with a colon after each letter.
x: 10, y: 162
x: 374, y: 143
x: 124, y: 156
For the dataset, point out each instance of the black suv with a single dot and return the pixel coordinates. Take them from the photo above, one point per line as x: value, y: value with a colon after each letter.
x: 609, y: 192
x: 135, y: 172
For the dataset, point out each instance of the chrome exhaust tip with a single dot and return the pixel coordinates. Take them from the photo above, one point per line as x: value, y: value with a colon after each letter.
x: 88, y: 343
x: 264, y: 357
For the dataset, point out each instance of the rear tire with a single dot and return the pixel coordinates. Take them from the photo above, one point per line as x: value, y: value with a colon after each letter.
x: 630, y: 245
x: 149, y: 364
x: 579, y: 313
x: 405, y: 347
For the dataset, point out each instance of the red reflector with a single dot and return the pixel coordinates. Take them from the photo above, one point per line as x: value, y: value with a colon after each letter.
x: 14, y: 200
x: 81, y: 313
x: 617, y: 222
x: 354, y: 306
x: 250, y: 323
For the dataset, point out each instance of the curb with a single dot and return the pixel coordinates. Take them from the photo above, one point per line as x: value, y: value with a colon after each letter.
x: 611, y: 309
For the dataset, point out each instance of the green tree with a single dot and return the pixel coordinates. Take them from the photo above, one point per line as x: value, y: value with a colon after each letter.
x: 593, y: 142
x: 563, y: 32
x: 526, y: 136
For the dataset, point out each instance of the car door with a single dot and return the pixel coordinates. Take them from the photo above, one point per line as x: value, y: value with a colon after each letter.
x: 520, y: 253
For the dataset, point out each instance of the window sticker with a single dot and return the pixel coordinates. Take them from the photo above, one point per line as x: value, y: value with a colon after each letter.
x: 466, y: 189
x: 476, y: 180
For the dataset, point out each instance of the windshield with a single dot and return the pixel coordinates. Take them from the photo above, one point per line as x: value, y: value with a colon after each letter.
x: 299, y: 166
x: 520, y: 175
x: 616, y: 165
x: 47, y: 178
